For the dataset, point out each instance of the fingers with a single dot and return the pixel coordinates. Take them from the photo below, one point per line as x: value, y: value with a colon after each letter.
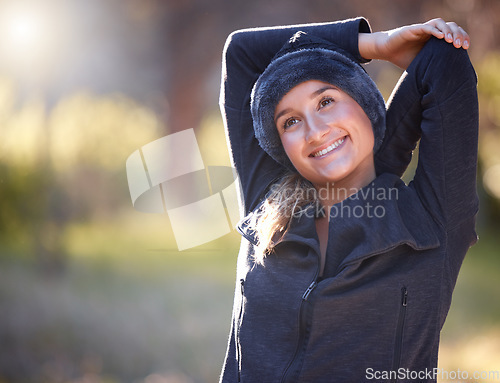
x: 451, y: 32
x: 457, y: 36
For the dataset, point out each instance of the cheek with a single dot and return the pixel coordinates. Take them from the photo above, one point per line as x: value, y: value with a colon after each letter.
x: 368, y: 138
x: 291, y: 145
x: 364, y: 130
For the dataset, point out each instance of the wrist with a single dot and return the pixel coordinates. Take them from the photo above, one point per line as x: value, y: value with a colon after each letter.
x: 369, y: 45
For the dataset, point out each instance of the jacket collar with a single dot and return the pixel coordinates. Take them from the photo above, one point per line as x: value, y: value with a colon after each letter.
x: 378, y: 218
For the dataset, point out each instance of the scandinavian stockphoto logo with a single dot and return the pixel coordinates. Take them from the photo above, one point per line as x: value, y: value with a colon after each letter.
x: 168, y: 176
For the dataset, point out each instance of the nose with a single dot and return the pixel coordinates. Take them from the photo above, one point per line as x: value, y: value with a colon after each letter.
x: 316, y: 129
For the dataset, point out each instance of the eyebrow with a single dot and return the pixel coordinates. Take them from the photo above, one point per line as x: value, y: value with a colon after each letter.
x: 314, y: 94
x: 280, y: 114
x: 321, y: 90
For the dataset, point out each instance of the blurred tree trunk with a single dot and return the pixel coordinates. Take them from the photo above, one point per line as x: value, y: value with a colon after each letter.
x: 192, y: 54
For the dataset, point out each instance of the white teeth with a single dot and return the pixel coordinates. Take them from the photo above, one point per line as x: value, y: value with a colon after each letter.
x: 330, y: 148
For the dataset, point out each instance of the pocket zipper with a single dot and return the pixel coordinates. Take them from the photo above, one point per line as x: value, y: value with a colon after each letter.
x: 291, y: 368
x: 399, y: 332
x: 237, y: 334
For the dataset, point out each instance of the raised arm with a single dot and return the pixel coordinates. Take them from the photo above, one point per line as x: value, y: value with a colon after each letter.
x: 436, y: 101
x: 400, y: 46
x: 246, y: 54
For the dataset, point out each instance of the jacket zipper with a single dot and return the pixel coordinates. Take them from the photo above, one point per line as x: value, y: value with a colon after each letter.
x: 303, y: 324
x: 399, y: 332
x: 238, y: 345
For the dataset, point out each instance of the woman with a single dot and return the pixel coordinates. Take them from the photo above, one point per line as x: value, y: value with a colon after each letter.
x: 345, y: 274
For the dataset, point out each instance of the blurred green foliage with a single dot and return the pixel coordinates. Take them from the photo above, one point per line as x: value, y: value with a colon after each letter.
x: 63, y: 165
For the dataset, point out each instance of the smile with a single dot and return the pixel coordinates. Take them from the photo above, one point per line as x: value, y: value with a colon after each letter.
x: 333, y: 146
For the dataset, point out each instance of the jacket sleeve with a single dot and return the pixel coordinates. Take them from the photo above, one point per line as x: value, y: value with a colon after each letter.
x: 436, y: 101
x: 246, y: 54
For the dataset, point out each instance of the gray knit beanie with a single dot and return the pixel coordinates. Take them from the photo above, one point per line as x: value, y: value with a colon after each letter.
x: 305, y: 58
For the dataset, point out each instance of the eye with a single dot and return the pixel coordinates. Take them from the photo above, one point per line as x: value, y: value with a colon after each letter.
x: 325, y: 101
x: 290, y: 122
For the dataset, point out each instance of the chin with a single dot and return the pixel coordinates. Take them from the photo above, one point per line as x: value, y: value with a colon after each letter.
x: 323, y: 180
x: 337, y: 174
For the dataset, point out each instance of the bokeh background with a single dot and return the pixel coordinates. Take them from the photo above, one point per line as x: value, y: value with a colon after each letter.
x: 92, y: 290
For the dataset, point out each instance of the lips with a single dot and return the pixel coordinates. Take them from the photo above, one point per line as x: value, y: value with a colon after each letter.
x: 331, y: 147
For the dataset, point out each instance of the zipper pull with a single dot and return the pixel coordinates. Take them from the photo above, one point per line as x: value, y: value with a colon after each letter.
x: 405, y: 297
x: 309, y: 290
x: 242, y: 286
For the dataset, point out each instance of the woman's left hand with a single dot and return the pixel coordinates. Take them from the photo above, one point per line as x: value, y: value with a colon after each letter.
x: 401, y: 45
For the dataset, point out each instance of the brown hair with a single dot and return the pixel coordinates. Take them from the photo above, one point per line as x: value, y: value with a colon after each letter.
x: 286, y: 198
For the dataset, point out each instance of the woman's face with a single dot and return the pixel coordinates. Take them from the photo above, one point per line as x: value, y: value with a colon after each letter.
x: 326, y: 134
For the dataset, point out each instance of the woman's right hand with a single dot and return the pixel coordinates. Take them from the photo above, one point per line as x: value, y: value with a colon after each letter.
x: 401, y: 45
